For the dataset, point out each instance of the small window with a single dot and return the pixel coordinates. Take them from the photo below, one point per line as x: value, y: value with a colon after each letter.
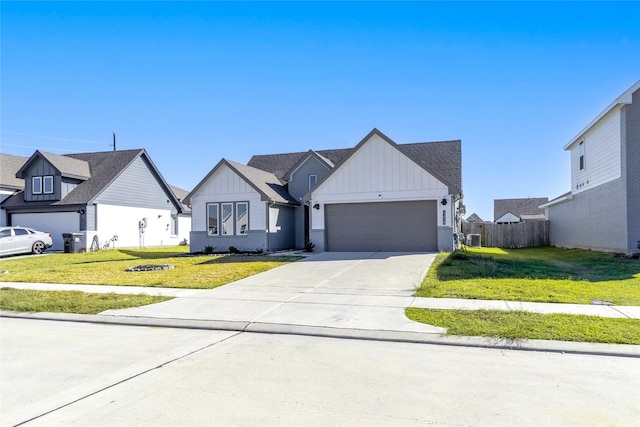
x: 48, y: 184
x: 444, y: 217
x: 174, y: 225
x: 242, y: 218
x: 212, y: 218
x: 227, y: 219
x: 36, y: 185
x: 313, y: 180
x: 581, y: 153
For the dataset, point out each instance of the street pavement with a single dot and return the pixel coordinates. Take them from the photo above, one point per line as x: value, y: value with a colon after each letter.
x: 70, y: 373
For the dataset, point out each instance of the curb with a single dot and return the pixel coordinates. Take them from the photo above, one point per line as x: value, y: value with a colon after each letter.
x: 564, y: 347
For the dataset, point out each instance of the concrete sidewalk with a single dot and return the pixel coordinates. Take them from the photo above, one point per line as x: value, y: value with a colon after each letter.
x: 347, y: 295
x: 629, y: 312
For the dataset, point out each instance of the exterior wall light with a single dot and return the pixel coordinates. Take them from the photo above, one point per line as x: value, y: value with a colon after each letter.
x: 316, y: 206
x: 444, y: 201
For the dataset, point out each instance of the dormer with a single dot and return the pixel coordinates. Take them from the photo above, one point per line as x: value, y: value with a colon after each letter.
x: 50, y: 177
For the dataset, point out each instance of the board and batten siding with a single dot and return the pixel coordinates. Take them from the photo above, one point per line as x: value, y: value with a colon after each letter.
x: 41, y: 167
x: 137, y: 186
x: 602, y: 151
x: 226, y: 186
x: 377, y: 172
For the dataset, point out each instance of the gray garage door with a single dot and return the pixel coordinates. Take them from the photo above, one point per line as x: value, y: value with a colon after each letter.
x: 383, y: 226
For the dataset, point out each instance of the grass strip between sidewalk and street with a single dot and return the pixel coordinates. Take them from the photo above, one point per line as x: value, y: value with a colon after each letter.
x: 545, y: 274
x: 76, y: 302
x: 528, y: 325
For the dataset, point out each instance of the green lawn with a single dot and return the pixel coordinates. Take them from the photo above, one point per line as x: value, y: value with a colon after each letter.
x: 108, y: 267
x: 534, y: 274
x: 70, y: 301
x: 526, y: 325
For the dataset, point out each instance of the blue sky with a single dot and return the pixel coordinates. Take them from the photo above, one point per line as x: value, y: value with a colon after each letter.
x: 194, y: 82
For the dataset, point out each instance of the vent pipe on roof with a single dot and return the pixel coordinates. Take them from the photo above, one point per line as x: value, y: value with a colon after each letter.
x: 114, y: 142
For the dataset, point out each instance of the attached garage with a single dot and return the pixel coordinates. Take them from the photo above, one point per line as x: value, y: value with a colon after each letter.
x: 55, y: 223
x: 382, y: 226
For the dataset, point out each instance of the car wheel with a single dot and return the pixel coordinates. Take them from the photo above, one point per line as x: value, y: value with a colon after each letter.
x: 38, y: 247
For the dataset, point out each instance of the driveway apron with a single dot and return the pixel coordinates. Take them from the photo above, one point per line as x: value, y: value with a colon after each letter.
x: 343, y: 290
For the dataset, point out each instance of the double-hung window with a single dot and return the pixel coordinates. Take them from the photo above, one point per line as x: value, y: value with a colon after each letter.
x: 313, y: 180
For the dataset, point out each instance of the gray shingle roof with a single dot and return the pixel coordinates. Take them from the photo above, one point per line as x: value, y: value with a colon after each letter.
x: 474, y: 218
x: 68, y: 166
x: 518, y: 207
x: 281, y: 164
x: 443, y: 159
x: 104, y: 167
x: 9, y: 166
x: 264, y: 182
x: 180, y: 195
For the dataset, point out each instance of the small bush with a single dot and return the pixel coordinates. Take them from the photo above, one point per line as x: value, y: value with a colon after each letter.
x: 233, y: 250
x: 309, y: 246
x: 208, y: 250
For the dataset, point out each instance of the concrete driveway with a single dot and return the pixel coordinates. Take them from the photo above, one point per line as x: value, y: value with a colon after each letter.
x: 364, y: 291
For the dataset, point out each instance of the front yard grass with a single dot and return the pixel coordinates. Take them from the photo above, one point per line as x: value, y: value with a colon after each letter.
x: 526, y: 325
x: 70, y: 301
x: 534, y: 274
x: 108, y: 267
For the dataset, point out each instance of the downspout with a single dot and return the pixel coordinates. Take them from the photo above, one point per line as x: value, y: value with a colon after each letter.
x: 267, y: 205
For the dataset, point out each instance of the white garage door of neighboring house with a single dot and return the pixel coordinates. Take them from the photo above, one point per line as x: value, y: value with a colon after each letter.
x: 382, y: 226
x: 55, y: 223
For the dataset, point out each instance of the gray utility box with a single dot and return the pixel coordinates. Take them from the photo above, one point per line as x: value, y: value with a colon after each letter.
x: 72, y: 242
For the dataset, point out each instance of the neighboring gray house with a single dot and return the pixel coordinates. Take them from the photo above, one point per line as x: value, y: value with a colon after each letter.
x: 378, y: 196
x: 602, y: 210
x: 508, y: 211
x: 105, y: 194
x: 474, y: 218
x: 9, y: 183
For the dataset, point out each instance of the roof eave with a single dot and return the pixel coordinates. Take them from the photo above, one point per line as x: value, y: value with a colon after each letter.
x: 624, y: 99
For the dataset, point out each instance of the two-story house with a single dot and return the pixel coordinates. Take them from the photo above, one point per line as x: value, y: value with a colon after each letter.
x: 377, y: 196
x: 118, y: 196
x: 602, y: 209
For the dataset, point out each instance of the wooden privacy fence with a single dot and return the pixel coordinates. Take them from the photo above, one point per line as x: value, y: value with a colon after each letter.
x: 518, y: 235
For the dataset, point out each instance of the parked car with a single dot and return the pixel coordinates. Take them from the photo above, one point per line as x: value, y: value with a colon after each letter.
x: 23, y: 240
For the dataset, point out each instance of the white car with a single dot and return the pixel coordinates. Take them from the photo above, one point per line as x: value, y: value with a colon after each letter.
x: 23, y: 240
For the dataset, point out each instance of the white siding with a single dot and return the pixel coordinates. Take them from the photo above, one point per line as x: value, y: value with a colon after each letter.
x: 377, y: 172
x: 602, y: 154
x: 122, y: 221
x: 227, y: 186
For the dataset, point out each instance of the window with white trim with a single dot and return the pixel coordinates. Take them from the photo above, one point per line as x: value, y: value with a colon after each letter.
x: 581, y: 154
x: 47, y: 184
x: 174, y: 225
x: 313, y: 180
x: 36, y: 185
